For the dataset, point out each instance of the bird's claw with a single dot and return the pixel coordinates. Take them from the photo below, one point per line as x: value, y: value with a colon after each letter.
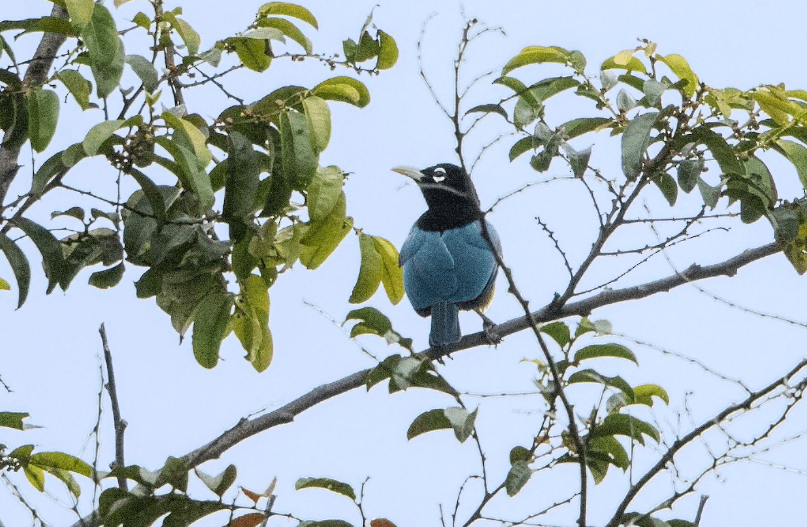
x: 489, y: 329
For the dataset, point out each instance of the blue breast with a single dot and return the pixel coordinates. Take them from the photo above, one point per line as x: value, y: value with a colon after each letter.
x: 451, y: 266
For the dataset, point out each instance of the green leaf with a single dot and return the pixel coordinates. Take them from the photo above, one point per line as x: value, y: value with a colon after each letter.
x: 584, y: 125
x: 62, y: 461
x: 343, y: 89
x: 720, y: 149
x: 108, y: 277
x: 635, y: 141
x: 324, y: 192
x: 210, y: 327
x: 367, y: 48
x: 142, y: 20
x: 624, y: 60
x: 79, y: 87
x: 47, y: 24
x: 19, y: 265
x: 145, y: 71
x: 710, y: 194
x: 188, y: 135
x: 174, y: 473
x: 429, y: 422
x: 559, y: 332
x: 644, y: 393
x: 80, y: 12
x: 625, y: 425
x: 318, y: 117
x: 298, y: 156
x: 243, y: 173
x: 17, y: 121
x: 589, y: 375
x: 522, y: 146
x: 286, y: 9
x: 102, y: 131
x: 461, y: 421
x: 373, y: 322
x: 689, y: 171
x: 48, y: 246
x: 392, y: 274
x: 189, y: 35
x: 43, y: 114
x: 578, y: 161
x: 683, y: 71
x: 4, y: 286
x: 192, y: 175
x: 36, y: 476
x: 288, y: 29
x: 612, y: 448
x: 667, y: 186
x: 536, y: 55
x: 653, y: 90
x: 323, y: 236
x: 625, y: 101
x: 265, y: 34
x: 152, y: 193
x: 252, y: 53
x: 490, y: 108
x: 13, y: 420
x: 251, y: 322
x: 520, y: 453
x: 73, y: 212
x: 387, y: 51
x: 520, y: 89
x: 594, y: 351
x: 518, y: 476
x: 796, y: 154
x: 370, y: 272
x: 418, y: 372
x: 22, y: 453
x: 219, y: 484
x: 105, y: 48
x: 328, y: 484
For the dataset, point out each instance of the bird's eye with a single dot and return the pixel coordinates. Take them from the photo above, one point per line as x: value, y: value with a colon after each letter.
x: 439, y: 174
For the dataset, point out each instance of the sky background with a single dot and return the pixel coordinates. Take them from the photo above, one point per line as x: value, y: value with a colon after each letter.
x: 51, y: 348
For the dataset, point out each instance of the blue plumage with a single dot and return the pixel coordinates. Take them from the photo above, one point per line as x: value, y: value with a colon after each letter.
x: 447, y: 264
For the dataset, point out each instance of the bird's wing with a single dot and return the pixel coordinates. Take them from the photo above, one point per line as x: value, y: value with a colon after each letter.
x: 429, y: 275
x: 411, y: 245
x: 475, y: 265
x: 473, y: 236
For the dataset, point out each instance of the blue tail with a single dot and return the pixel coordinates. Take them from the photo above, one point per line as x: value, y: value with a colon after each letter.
x: 445, y: 324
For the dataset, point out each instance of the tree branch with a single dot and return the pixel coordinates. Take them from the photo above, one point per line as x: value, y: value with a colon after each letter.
x: 119, y: 424
x: 286, y: 414
x: 37, y: 73
x: 697, y: 432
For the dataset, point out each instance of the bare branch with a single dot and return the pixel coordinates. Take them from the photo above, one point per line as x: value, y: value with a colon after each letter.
x: 119, y: 424
x: 286, y: 413
x: 680, y: 443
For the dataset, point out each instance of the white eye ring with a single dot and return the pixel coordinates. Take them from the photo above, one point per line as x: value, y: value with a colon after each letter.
x: 439, y: 174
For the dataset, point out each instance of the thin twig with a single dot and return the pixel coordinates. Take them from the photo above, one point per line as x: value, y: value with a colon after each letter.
x: 680, y: 443
x: 120, y: 424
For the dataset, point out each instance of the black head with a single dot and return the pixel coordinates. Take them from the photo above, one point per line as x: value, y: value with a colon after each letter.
x: 449, y: 193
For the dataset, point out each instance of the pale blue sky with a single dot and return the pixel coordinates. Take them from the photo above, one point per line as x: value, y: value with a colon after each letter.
x: 172, y: 405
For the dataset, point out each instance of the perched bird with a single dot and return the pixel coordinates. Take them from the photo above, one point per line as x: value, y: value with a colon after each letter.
x: 447, y: 263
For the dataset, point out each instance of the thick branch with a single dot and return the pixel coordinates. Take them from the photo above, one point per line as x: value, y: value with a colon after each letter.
x: 286, y: 414
x: 37, y: 73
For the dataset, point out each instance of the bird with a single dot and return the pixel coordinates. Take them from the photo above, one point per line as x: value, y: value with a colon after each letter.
x: 447, y: 262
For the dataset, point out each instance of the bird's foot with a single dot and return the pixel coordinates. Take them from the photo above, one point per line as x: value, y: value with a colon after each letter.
x: 489, y: 329
x: 490, y: 334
